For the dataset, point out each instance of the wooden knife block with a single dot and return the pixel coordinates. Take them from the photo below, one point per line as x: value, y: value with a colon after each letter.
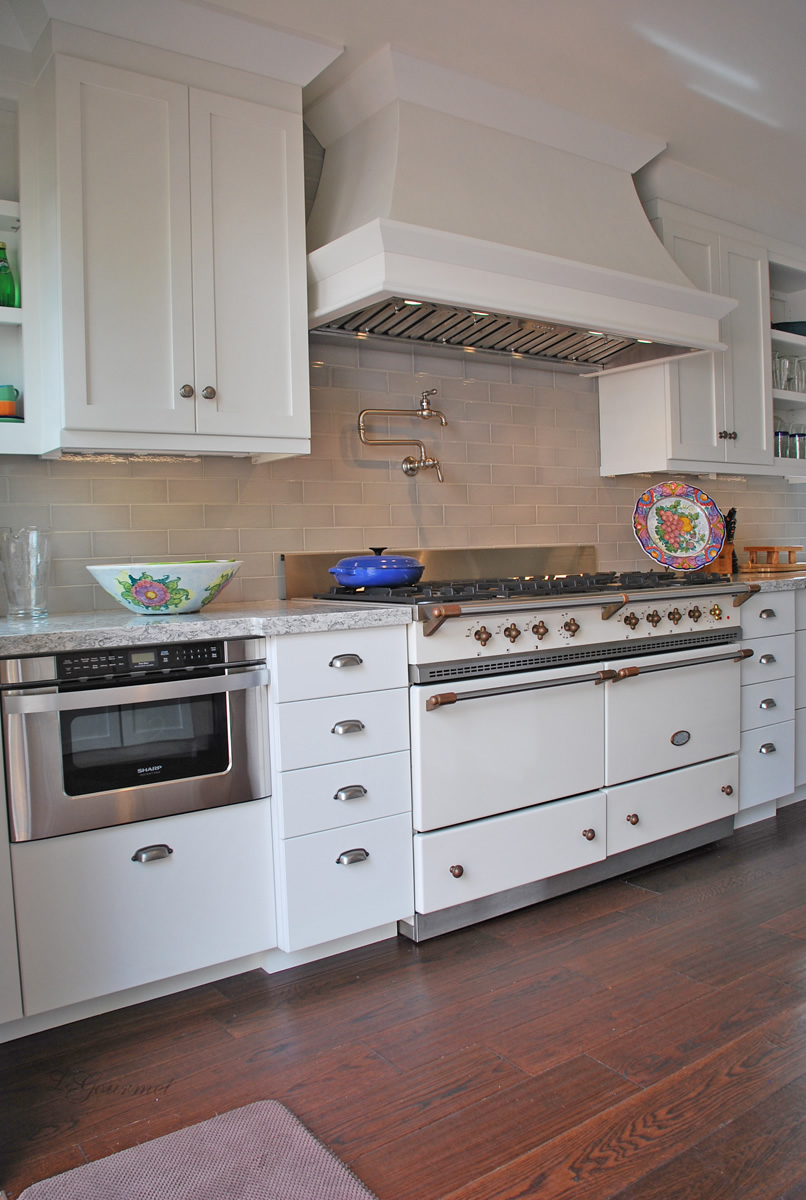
x: 723, y: 563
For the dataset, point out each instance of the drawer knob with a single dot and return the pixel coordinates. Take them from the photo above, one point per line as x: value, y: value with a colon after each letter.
x: 590, y: 834
x: 151, y: 853
x: 348, y: 727
x: 354, y: 792
x: 346, y: 660
x: 632, y: 818
x: 765, y: 704
x: 767, y: 748
x: 766, y: 659
x: 348, y: 857
x: 457, y: 871
x: 767, y: 613
x: 728, y: 790
x: 186, y: 391
x: 209, y: 393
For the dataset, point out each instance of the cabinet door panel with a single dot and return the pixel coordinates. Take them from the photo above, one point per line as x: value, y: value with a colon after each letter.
x: 248, y: 267
x: 125, y: 249
x: 744, y: 272
x: 697, y: 384
x: 767, y: 764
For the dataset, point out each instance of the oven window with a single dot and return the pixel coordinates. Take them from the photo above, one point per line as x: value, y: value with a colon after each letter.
x: 129, y: 745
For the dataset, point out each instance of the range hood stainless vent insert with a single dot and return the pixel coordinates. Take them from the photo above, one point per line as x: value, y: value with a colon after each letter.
x: 494, y: 333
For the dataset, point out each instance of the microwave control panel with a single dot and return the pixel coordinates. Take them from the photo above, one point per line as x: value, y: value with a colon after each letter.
x: 87, y: 664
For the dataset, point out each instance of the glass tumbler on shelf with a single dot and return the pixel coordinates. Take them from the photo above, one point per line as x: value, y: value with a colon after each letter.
x: 800, y: 375
x: 797, y: 442
x: 782, y: 370
x: 781, y: 440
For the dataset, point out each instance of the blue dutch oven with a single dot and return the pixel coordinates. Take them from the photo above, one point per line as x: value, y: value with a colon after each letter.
x: 377, y: 570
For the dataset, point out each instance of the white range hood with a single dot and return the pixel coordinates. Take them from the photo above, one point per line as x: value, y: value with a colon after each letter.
x: 454, y: 212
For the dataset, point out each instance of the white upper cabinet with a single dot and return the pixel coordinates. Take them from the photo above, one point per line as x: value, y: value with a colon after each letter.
x: 712, y: 411
x: 178, y: 309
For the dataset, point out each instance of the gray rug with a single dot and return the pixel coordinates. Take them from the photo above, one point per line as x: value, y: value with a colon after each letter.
x: 259, y: 1152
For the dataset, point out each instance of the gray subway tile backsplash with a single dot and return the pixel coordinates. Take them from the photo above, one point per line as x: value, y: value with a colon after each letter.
x: 520, y: 455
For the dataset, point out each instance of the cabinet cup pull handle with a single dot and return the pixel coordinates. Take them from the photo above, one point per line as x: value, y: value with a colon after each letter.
x: 348, y: 727
x: 767, y: 748
x: 348, y: 857
x: 209, y: 393
x: 186, y: 391
x: 457, y: 871
x: 353, y: 792
x: 728, y: 790
x: 766, y: 659
x: 590, y: 834
x: 151, y: 853
x: 766, y: 614
x: 346, y: 660
x: 632, y: 818
x: 765, y: 704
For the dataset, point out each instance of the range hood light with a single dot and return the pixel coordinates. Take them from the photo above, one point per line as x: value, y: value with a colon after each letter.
x: 413, y: 303
x: 596, y: 333
x: 644, y: 341
x: 477, y: 313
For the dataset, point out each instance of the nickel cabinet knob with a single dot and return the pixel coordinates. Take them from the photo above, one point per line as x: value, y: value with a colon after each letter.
x: 209, y: 393
x: 186, y: 391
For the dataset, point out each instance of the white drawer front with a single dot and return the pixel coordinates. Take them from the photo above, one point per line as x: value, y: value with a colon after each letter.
x: 507, y: 851
x: 768, y: 613
x: 800, y: 668
x: 340, y: 794
x: 767, y: 764
x: 326, y: 899
x: 655, y: 808
x: 773, y: 658
x: 307, y: 665
x: 313, y: 732
x: 800, y: 746
x: 768, y: 703
x: 105, y: 923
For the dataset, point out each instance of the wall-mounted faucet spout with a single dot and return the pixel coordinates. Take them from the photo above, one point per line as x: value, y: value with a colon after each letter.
x: 410, y: 465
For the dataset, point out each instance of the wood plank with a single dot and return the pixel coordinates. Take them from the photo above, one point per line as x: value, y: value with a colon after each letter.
x: 452, y: 1152
x: 642, y: 1132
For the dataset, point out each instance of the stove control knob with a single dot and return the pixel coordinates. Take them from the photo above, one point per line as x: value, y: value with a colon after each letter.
x: 632, y: 620
x: 716, y: 612
x: 512, y: 632
x: 675, y: 615
x: 654, y: 618
x: 571, y: 626
x: 540, y: 630
x: 695, y: 613
x: 482, y: 635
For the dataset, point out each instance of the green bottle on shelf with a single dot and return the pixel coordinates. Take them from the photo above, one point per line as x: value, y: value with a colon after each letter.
x: 8, y: 288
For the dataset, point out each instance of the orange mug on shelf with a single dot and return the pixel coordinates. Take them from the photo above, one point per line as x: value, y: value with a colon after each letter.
x: 8, y: 400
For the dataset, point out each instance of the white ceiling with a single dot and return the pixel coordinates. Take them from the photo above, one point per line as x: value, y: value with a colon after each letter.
x: 723, y: 82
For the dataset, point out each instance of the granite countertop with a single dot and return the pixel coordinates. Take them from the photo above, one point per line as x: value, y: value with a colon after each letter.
x: 118, y: 627
x: 775, y: 581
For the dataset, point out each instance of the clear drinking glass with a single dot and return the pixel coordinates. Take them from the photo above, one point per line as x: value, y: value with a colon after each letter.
x: 25, y: 559
x: 782, y: 369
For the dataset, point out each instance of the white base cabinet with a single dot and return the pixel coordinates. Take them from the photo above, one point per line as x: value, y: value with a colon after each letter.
x: 176, y: 319
x: 767, y: 758
x: 91, y: 921
x: 342, y: 783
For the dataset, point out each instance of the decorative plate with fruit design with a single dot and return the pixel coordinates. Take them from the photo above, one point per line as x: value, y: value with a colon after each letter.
x: 679, y: 526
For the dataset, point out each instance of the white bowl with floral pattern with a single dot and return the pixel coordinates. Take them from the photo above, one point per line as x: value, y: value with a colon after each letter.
x: 165, y: 588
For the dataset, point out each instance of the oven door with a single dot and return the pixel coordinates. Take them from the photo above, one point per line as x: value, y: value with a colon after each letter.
x: 671, y: 710
x: 495, y: 744
x: 91, y: 758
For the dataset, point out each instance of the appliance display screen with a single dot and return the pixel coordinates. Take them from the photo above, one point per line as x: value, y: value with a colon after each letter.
x: 143, y: 658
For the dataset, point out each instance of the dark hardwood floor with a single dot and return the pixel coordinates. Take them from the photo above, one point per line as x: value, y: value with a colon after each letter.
x: 645, y: 1038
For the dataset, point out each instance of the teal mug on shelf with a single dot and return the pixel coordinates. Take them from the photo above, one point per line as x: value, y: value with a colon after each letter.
x: 8, y: 400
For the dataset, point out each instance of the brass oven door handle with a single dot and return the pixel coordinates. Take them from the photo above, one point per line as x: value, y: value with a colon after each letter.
x: 140, y: 693
x: 443, y: 698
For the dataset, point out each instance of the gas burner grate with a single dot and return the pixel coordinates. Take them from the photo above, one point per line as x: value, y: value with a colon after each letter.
x: 525, y: 587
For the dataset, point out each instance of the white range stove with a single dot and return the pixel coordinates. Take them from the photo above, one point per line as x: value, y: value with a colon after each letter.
x: 543, y: 702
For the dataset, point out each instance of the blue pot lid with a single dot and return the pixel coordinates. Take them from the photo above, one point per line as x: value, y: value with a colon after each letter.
x: 377, y: 562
